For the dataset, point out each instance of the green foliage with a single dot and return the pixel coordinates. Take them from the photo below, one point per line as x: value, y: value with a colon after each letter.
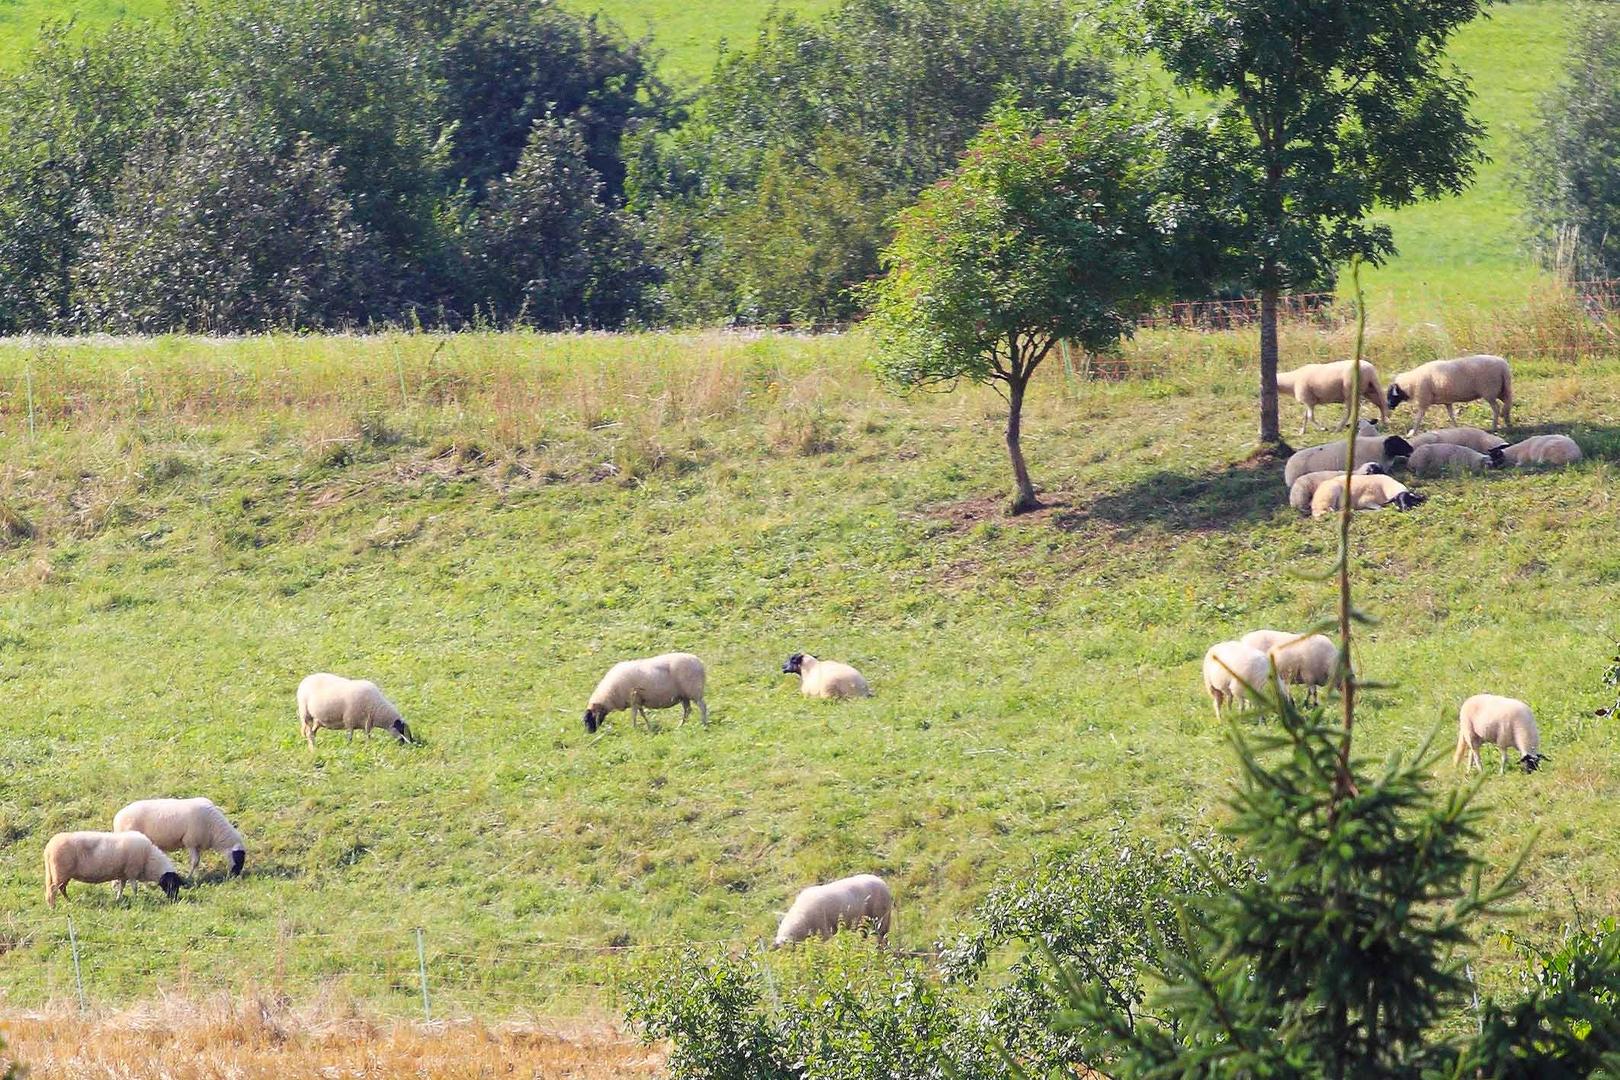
x: 863, y: 108
x: 218, y: 227
x: 1046, y: 232
x: 1570, y: 166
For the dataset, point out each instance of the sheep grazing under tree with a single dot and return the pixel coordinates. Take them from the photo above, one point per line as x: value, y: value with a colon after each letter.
x: 656, y: 682
x: 1325, y: 384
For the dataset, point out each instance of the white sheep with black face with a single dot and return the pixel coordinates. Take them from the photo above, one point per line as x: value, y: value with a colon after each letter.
x: 656, y: 682
x: 1322, y: 384
x: 1433, y: 459
x: 1235, y: 673
x: 1481, y: 377
x: 1503, y: 721
x: 339, y: 704
x: 826, y: 678
x: 1330, y: 457
x: 96, y: 857
x: 1366, y: 493
x: 195, y: 825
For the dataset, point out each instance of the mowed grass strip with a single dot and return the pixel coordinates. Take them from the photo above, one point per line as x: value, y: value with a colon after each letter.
x: 484, y: 524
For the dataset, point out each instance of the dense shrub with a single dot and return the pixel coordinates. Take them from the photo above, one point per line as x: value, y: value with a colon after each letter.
x: 221, y: 227
x: 1571, y: 163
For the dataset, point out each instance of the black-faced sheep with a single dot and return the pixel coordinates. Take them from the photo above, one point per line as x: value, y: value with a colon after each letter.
x: 1453, y: 382
x: 656, y: 682
x: 1383, y: 450
x: 1324, y: 384
x: 196, y: 825
x: 95, y: 857
x: 1366, y: 493
x: 339, y: 704
x: 1504, y: 721
x: 826, y: 678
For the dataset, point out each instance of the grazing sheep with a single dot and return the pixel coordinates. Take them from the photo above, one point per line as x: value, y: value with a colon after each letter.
x: 95, y: 857
x: 1543, y: 450
x: 1330, y: 456
x: 825, y: 678
x: 1477, y: 440
x: 1235, y: 672
x: 855, y: 903
x: 1366, y: 493
x: 1323, y: 384
x: 1310, y: 662
x: 654, y: 683
x: 1299, y: 494
x: 1432, y: 459
x: 1453, y: 382
x: 1505, y: 721
x: 193, y: 824
x: 339, y: 704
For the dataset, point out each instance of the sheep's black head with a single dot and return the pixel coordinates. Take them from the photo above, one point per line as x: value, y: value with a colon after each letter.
x: 238, y: 859
x: 1395, y: 395
x: 794, y: 664
x: 170, y: 884
x: 593, y: 720
x: 402, y: 731
x: 1498, y: 457
x: 1532, y: 761
x: 1407, y: 499
x: 1395, y: 446
x: 1372, y: 468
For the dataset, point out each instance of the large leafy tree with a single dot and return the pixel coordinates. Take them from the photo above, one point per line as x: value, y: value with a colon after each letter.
x: 1046, y: 232
x: 1323, y: 111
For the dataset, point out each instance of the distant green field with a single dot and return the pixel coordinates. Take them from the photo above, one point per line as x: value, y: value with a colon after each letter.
x: 1468, y: 250
x: 483, y: 524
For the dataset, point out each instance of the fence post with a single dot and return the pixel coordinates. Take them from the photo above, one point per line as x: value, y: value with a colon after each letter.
x: 421, y: 971
x: 78, y: 976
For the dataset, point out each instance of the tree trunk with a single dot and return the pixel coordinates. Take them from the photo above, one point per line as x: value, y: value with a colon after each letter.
x: 1024, y: 500
x: 1270, y: 435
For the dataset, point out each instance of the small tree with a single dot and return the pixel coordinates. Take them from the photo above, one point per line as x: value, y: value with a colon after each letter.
x: 1045, y: 232
x: 1325, y: 109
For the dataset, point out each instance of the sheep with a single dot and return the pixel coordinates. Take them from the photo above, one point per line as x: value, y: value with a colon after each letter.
x: 1299, y: 659
x: 1300, y: 492
x: 1505, y: 721
x: 1543, y: 450
x: 656, y: 682
x: 1330, y: 456
x: 95, y: 857
x: 1262, y: 640
x: 1366, y: 493
x: 1233, y: 672
x: 339, y: 704
x: 1481, y: 442
x: 858, y: 903
x: 1453, y: 382
x: 1366, y: 429
x: 1322, y: 384
x: 1432, y: 459
x: 192, y: 824
x: 826, y: 678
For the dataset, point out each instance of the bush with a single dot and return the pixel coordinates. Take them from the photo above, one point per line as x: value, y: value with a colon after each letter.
x: 219, y: 228
x: 1571, y: 164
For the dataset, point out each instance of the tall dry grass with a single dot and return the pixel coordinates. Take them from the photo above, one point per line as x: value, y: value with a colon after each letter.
x: 257, y: 1036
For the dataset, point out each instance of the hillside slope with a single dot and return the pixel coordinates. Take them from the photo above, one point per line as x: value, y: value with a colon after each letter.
x: 483, y: 525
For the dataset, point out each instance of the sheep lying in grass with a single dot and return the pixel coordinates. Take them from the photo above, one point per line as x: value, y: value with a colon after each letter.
x: 1432, y: 459
x: 339, y: 704
x: 1366, y: 493
x: 656, y: 682
x: 1325, y: 384
x: 1543, y: 450
x: 1235, y: 673
x: 193, y: 824
x: 826, y: 678
x: 95, y: 857
x: 1299, y: 494
x: 1504, y: 721
x: 1476, y: 439
x: 1330, y: 456
x: 1453, y: 382
x: 862, y: 902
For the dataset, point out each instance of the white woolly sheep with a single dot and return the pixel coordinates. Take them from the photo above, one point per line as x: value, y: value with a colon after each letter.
x: 339, y: 704
x: 196, y: 825
x: 656, y: 682
x: 1262, y: 640
x: 1366, y: 493
x: 1324, y: 384
x: 95, y: 857
x: 1476, y: 439
x: 862, y: 902
x: 1432, y: 459
x: 1306, y: 661
x: 1543, y: 450
x: 1300, y: 492
x: 1330, y: 456
x: 826, y: 678
x: 1235, y: 672
x: 1504, y: 721
x: 1452, y: 382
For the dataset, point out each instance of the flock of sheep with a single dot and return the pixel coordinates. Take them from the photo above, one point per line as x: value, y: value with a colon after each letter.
x: 1234, y: 671
x: 1269, y: 661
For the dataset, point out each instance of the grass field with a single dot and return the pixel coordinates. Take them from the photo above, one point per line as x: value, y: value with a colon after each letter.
x: 483, y: 524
